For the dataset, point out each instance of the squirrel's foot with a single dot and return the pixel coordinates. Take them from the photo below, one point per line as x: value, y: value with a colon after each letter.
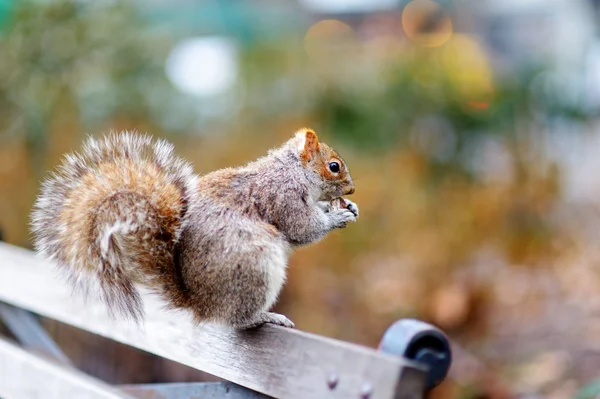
x: 269, y: 317
x: 337, y: 204
x: 352, y: 207
x: 341, y: 212
x: 341, y: 218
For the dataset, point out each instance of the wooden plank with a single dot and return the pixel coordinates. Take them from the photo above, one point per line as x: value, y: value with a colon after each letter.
x: 117, y: 363
x: 25, y: 327
x: 275, y: 361
x: 25, y: 375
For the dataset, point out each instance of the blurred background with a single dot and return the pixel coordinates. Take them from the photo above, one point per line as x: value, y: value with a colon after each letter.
x: 471, y: 127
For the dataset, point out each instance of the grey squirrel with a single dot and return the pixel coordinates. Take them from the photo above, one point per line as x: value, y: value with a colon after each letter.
x: 128, y: 211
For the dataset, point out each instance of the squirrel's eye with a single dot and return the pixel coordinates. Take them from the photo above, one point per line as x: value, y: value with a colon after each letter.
x: 334, y: 167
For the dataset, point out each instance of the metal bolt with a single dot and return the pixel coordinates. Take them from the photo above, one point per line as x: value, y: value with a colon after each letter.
x: 366, y: 390
x: 332, y: 381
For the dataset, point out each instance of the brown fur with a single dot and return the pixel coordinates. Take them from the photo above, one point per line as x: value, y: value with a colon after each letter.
x: 311, y: 146
x: 128, y: 212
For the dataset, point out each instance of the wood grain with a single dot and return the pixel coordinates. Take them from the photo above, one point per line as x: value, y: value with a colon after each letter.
x: 204, y: 390
x: 278, y: 362
x: 25, y: 375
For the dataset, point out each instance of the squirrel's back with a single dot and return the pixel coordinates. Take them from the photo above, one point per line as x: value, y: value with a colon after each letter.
x: 112, y: 215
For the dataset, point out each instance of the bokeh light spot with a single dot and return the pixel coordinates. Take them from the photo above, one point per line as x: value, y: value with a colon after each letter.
x: 347, y: 6
x: 467, y: 67
x: 426, y: 24
x: 328, y: 34
x: 204, y: 66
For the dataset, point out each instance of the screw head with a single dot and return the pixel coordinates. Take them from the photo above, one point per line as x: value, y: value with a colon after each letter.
x: 332, y: 381
x: 366, y: 390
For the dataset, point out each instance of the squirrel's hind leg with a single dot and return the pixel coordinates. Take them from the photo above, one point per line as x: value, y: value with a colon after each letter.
x: 268, y: 317
x: 237, y: 286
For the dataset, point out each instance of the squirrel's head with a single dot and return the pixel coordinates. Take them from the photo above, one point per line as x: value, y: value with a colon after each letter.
x: 325, y: 163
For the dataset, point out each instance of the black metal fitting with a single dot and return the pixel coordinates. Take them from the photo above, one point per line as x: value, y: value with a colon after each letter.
x: 422, y: 343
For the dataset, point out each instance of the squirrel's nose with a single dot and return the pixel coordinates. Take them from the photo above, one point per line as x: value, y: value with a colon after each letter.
x: 349, y: 191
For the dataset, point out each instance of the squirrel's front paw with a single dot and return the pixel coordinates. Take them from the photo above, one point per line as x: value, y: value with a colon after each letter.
x: 342, y: 211
x: 341, y: 217
x: 352, y: 207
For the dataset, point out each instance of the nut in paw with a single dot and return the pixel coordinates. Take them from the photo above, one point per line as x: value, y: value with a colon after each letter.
x: 341, y: 203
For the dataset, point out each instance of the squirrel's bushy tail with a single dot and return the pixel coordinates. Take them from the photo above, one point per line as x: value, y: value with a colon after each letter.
x: 112, y: 216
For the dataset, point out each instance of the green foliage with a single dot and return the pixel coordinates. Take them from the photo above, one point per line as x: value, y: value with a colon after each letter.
x: 422, y: 99
x: 385, y: 119
x: 96, y: 60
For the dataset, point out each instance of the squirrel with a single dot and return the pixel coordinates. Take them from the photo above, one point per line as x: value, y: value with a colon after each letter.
x: 128, y: 211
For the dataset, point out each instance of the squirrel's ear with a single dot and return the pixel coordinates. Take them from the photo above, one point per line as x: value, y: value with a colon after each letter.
x: 308, y: 144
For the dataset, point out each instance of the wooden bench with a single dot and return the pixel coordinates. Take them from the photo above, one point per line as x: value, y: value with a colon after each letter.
x: 269, y: 361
